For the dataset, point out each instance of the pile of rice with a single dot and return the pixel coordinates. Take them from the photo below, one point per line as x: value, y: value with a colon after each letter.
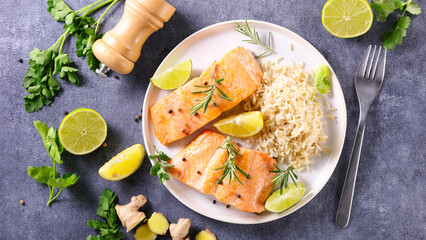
x: 292, y: 130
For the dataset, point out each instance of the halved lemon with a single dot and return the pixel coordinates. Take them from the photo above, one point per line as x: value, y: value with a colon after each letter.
x: 347, y: 18
x: 123, y: 164
x: 173, y: 77
x: 241, y: 125
x: 82, y: 131
x: 279, y: 202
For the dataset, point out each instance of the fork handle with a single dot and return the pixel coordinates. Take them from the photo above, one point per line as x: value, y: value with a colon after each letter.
x: 345, y: 204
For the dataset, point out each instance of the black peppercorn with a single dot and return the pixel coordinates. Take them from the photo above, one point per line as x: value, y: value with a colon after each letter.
x: 183, y: 159
x: 214, y: 201
x: 170, y: 111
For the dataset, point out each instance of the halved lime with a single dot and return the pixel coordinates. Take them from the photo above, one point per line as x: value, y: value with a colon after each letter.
x: 241, y: 125
x: 347, y: 18
x: 173, y: 77
x: 82, y: 131
x: 278, y: 203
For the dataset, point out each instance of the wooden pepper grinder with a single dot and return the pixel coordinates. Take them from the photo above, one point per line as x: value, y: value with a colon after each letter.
x: 120, y: 48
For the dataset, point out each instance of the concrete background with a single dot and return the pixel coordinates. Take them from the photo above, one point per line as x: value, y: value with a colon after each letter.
x: 390, y: 193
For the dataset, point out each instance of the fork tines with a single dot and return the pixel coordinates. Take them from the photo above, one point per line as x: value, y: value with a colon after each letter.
x: 372, y: 65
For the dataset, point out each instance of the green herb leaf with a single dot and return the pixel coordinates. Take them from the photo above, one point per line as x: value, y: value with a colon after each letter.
x: 42, y: 174
x: 414, y: 8
x: 322, y: 79
x: 67, y: 180
x: 108, y: 229
x: 161, y: 167
x: 392, y: 38
x: 254, y: 38
x: 58, y: 9
x: 41, y: 57
x: 384, y: 8
x: 50, y: 140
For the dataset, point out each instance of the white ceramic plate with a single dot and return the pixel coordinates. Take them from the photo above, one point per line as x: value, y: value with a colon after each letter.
x: 210, y: 44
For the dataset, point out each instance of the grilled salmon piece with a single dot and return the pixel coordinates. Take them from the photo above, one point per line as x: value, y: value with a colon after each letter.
x: 195, y: 166
x: 171, y: 116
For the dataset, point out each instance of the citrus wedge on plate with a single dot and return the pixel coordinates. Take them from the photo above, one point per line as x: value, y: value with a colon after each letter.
x: 123, y: 164
x: 82, y: 131
x: 347, y: 18
x: 173, y: 77
x: 279, y: 202
x: 241, y: 125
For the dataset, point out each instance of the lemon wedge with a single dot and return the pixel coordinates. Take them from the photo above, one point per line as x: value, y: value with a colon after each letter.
x: 241, y: 125
x: 123, y: 164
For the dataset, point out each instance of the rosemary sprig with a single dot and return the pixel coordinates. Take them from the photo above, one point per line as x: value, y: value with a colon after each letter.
x: 229, y: 167
x: 254, y: 37
x: 160, y: 168
x: 282, y: 176
x: 204, y: 101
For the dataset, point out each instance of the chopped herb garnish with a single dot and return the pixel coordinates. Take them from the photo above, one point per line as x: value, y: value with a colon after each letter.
x: 229, y: 167
x: 282, y: 176
x: 209, y: 94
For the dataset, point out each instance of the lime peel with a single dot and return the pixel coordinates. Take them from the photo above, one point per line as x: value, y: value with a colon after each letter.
x: 173, y: 77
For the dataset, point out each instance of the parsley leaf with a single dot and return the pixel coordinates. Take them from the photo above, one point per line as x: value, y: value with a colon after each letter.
x: 322, y: 79
x: 106, y: 209
x: 384, y: 8
x: 160, y: 168
x: 43, y: 65
x: 49, y: 175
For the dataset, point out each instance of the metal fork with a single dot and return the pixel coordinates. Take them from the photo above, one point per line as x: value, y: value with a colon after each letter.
x: 368, y: 80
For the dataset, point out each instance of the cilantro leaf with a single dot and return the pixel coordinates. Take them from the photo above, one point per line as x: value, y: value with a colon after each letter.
x: 392, y: 38
x: 58, y: 9
x: 51, y: 141
x: 67, y: 180
x: 322, y: 79
x: 108, y: 229
x: 384, y: 8
x: 49, y: 175
x: 414, y: 8
x: 42, y: 174
x: 41, y: 57
x: 161, y: 168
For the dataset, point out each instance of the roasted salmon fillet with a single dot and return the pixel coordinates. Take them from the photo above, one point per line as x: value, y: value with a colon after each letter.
x: 171, y: 116
x: 195, y: 166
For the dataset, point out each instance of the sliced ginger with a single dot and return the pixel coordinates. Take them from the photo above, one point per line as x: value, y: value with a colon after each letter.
x: 158, y: 224
x: 179, y: 230
x: 205, y: 235
x: 143, y: 233
x: 129, y: 214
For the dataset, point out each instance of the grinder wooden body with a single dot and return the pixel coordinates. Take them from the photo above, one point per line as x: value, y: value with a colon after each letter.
x: 121, y: 47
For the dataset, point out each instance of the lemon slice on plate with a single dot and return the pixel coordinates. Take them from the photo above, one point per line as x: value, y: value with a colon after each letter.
x: 279, y: 202
x: 347, y: 18
x: 173, y: 77
x: 123, y: 164
x: 241, y: 125
x: 82, y: 131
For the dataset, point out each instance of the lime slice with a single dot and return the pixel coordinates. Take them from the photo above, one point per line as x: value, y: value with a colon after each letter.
x: 82, y: 131
x: 241, y: 125
x: 278, y: 203
x: 347, y: 18
x: 123, y: 164
x: 173, y: 77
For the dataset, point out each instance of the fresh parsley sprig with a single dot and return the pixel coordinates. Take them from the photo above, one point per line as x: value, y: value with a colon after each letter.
x: 254, y: 38
x: 229, y: 167
x: 204, y: 101
x: 108, y: 229
x: 44, y: 64
x: 322, y: 79
x: 384, y: 8
x: 161, y: 167
x: 49, y: 175
x: 282, y: 176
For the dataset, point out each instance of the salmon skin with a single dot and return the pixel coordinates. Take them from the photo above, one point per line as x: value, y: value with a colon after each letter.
x: 195, y: 166
x: 171, y: 116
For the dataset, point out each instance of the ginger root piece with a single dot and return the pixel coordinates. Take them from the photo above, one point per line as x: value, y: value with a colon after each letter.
x: 205, y: 235
x: 179, y: 230
x: 158, y: 224
x: 129, y: 214
x: 143, y: 233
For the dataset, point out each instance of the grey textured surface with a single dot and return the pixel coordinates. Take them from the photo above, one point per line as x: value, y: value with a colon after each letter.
x: 390, y: 193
